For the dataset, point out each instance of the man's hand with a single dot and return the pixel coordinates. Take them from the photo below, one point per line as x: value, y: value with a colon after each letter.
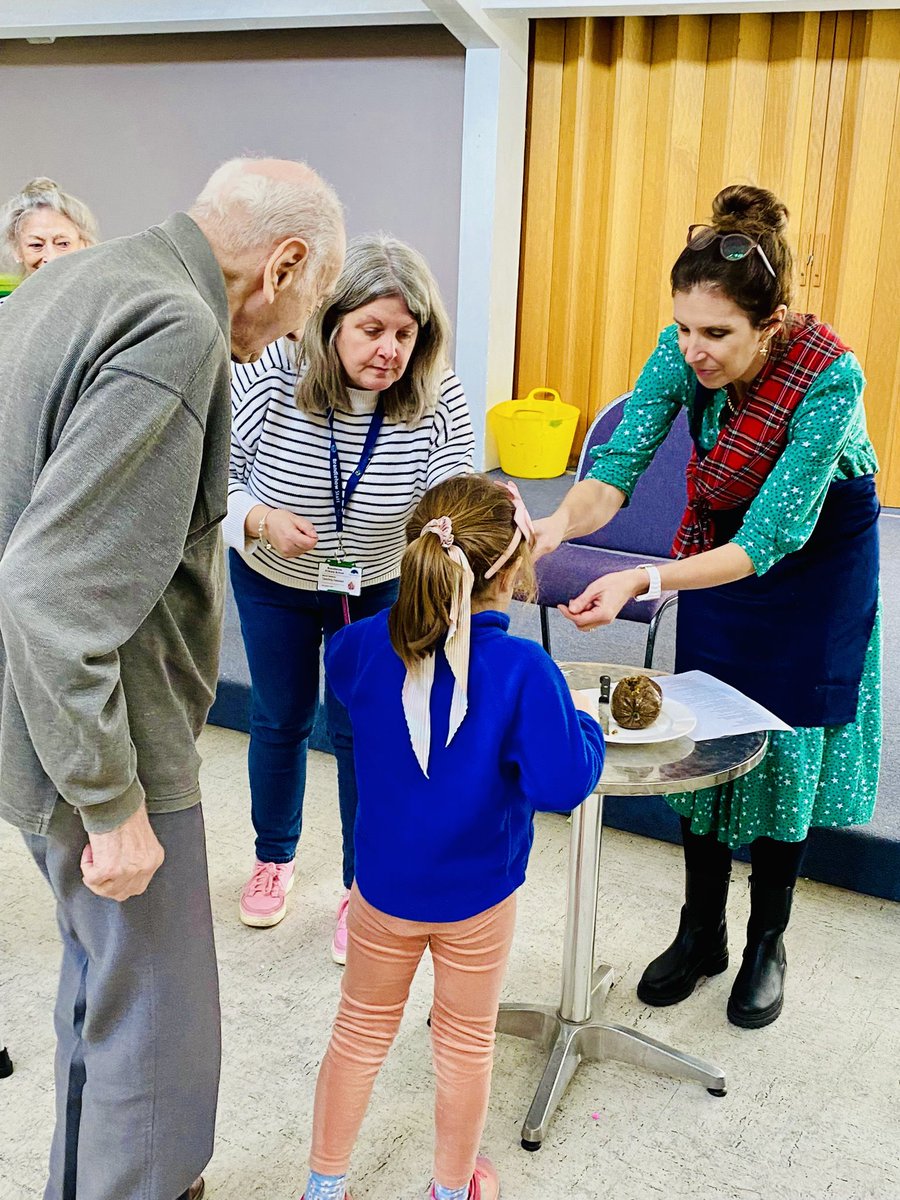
x: 121, y: 863
x: 602, y: 601
x: 289, y: 534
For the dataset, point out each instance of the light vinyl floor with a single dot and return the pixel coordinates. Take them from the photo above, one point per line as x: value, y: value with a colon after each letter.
x: 813, y: 1104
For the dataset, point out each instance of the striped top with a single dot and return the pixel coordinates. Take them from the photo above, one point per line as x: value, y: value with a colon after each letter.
x: 281, y: 457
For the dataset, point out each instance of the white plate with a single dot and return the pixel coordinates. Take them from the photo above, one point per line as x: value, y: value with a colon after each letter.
x: 674, y: 721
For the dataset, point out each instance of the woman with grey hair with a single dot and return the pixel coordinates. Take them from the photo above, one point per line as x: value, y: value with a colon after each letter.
x: 331, y: 451
x: 42, y: 222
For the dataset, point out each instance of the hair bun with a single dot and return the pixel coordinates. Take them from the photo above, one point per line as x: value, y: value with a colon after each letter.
x: 741, y: 206
x: 40, y: 185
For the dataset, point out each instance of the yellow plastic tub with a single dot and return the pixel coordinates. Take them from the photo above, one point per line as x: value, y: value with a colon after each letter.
x: 534, y: 436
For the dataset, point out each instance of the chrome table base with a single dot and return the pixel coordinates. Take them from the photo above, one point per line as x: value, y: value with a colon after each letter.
x: 575, y: 1031
x: 569, y: 1043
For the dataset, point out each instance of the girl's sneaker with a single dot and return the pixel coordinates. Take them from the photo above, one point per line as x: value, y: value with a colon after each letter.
x: 264, y: 895
x: 484, y: 1185
x: 339, y: 941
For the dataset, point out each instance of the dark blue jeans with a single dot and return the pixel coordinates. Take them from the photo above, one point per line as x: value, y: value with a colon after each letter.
x: 283, y: 629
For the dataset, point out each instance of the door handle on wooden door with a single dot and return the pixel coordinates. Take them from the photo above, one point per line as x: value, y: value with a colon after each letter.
x: 806, y: 258
x: 819, y: 257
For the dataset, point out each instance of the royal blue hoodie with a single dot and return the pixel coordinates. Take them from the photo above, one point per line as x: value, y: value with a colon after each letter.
x: 449, y: 846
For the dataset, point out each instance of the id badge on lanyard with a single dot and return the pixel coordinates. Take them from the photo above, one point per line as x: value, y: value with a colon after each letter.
x: 342, y: 575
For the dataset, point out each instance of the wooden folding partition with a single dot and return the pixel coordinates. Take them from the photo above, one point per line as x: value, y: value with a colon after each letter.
x: 635, y: 123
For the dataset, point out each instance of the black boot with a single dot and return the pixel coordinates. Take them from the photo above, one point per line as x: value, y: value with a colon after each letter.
x: 701, y: 944
x: 758, y: 993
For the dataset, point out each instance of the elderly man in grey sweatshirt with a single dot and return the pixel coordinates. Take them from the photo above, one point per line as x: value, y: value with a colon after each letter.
x: 114, y: 423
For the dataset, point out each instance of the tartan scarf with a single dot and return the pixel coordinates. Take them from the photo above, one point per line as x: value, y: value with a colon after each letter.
x: 752, y: 440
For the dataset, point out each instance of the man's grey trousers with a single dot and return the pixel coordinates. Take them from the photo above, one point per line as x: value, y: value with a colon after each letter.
x: 137, y: 1020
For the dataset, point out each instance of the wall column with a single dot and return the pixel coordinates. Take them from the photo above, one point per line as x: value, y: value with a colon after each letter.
x: 496, y: 95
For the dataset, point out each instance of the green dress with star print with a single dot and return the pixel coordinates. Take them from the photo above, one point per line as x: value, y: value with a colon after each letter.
x: 811, y: 776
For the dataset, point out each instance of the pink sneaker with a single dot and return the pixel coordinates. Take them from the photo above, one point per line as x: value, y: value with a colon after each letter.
x: 264, y: 895
x: 339, y: 941
x: 485, y: 1183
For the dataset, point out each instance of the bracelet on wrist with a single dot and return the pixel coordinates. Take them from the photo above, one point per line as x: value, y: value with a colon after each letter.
x: 262, y: 536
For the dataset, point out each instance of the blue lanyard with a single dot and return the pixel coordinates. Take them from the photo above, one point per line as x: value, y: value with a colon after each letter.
x: 340, y: 495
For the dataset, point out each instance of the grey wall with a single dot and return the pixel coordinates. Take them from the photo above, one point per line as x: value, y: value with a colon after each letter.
x: 134, y: 125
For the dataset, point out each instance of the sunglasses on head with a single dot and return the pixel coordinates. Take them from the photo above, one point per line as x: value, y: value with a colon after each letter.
x: 732, y: 246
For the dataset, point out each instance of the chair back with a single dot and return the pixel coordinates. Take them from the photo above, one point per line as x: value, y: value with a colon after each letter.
x: 649, y: 523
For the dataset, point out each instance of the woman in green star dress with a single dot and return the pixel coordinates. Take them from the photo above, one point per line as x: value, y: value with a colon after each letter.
x: 777, y: 565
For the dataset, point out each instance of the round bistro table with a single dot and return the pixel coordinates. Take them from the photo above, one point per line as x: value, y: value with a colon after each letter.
x: 574, y: 1030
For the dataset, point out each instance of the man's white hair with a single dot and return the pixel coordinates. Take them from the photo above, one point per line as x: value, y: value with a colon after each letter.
x: 243, y: 209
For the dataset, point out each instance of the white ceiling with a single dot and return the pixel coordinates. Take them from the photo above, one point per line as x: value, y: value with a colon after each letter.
x: 476, y: 25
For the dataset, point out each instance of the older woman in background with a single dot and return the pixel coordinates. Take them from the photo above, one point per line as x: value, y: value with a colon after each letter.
x: 42, y: 222
x: 328, y: 461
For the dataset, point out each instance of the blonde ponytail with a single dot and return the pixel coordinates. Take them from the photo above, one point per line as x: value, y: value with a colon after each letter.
x: 420, y: 618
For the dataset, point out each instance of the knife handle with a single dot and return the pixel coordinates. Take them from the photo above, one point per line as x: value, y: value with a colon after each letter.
x: 603, y: 703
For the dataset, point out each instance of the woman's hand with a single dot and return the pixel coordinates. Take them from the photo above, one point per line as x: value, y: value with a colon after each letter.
x: 602, y: 601
x: 289, y: 534
x: 588, y: 506
x: 549, y: 532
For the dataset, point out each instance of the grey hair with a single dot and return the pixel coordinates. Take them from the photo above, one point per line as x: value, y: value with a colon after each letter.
x: 45, y: 193
x: 376, y: 266
x: 244, y: 209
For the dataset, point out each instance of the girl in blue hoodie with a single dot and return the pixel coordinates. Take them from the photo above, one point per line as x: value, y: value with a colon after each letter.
x: 461, y: 732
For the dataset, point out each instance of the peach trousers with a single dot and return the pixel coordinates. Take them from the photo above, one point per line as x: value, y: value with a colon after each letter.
x: 383, y: 953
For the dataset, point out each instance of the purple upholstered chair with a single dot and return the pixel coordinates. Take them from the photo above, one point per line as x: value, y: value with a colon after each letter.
x: 642, y: 532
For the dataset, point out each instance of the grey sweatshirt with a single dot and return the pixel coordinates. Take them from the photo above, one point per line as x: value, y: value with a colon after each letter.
x: 114, y: 432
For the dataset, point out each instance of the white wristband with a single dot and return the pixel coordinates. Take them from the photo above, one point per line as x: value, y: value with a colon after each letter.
x: 655, y: 589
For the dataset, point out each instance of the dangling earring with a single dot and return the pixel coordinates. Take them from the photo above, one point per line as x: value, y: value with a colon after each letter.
x: 764, y: 349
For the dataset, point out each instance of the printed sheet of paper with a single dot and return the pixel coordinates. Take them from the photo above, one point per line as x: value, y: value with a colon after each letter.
x: 720, y: 710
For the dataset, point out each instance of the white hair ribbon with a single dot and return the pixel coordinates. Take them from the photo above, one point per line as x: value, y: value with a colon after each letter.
x: 420, y: 678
